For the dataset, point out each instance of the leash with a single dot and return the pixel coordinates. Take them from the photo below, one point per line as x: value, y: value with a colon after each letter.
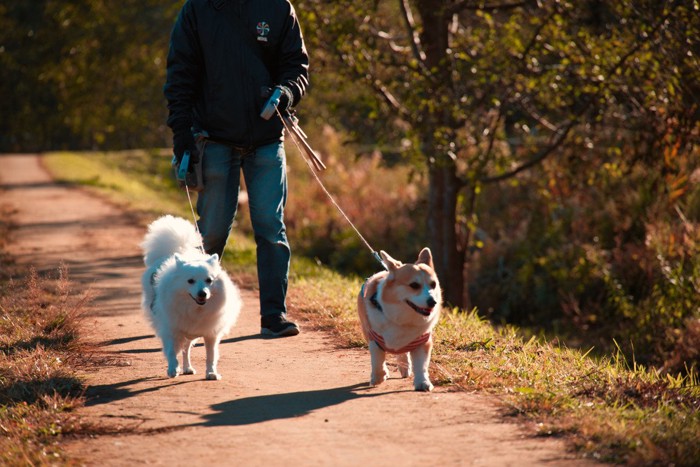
x: 181, y: 171
x: 194, y: 219
x: 315, y: 164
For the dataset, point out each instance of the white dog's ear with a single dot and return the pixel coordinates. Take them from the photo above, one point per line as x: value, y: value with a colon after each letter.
x: 390, y: 262
x: 178, y: 259
x: 213, y: 259
x: 425, y: 257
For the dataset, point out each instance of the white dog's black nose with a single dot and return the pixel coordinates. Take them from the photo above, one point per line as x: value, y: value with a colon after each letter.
x: 431, y: 302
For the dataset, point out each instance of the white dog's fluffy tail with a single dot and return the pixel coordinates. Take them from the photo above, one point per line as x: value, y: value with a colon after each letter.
x: 166, y: 236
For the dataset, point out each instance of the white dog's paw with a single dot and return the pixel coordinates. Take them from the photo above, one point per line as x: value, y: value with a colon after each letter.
x: 189, y: 371
x: 424, y: 385
x: 213, y: 376
x: 173, y: 372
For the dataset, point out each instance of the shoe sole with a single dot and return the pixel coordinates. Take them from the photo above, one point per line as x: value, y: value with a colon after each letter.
x: 290, y: 331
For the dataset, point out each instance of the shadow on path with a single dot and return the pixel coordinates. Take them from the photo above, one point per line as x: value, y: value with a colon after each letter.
x: 108, y: 393
x: 258, y: 409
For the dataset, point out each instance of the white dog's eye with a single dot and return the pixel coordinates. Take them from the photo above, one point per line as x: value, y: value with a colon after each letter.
x: 433, y: 284
x: 414, y: 285
x: 209, y: 280
x: 190, y: 281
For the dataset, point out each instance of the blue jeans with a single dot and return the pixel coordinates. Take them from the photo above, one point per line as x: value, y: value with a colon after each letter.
x: 265, y: 175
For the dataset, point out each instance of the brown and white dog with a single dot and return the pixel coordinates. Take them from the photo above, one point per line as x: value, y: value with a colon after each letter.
x: 398, y: 310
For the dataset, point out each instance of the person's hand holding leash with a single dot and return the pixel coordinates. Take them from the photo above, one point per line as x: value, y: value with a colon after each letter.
x: 281, y: 99
x: 186, y: 159
x: 183, y: 140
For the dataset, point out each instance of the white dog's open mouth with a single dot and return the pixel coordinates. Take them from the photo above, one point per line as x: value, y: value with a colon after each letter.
x: 417, y: 309
x: 200, y: 300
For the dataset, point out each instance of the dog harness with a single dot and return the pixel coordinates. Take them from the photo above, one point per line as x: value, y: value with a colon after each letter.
x: 379, y: 340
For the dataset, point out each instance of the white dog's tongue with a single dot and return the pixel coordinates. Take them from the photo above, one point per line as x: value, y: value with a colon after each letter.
x: 200, y: 301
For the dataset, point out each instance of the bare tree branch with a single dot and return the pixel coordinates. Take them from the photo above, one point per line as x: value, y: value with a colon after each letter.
x: 381, y: 89
x: 393, y: 45
x: 389, y: 98
x: 533, y: 114
x: 560, y: 134
x: 555, y: 142
x: 412, y: 31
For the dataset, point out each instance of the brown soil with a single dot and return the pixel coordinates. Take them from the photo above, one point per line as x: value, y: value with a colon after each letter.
x: 291, y: 401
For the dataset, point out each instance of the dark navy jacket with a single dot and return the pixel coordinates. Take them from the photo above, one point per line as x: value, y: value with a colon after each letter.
x: 222, y: 53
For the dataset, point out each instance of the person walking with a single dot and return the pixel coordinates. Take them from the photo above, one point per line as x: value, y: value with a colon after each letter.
x: 225, y: 59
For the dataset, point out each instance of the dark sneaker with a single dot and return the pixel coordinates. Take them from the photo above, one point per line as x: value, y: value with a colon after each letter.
x: 277, y: 326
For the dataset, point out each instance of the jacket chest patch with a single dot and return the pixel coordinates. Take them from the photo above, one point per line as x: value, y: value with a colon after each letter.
x: 263, y: 30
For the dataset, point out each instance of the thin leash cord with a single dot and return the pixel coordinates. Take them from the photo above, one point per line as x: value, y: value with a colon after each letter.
x: 328, y: 194
x: 320, y: 183
x: 194, y: 218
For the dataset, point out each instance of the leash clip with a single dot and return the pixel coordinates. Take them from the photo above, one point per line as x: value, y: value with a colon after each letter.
x: 380, y: 260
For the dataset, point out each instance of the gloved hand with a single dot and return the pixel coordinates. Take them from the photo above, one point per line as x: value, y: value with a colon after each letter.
x: 183, y: 140
x: 286, y: 99
x: 279, y: 99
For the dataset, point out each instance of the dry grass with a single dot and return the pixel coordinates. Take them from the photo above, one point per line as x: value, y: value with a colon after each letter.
x: 39, y: 348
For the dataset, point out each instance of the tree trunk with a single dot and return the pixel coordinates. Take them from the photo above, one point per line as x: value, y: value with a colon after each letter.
x: 442, y: 204
x: 444, y: 185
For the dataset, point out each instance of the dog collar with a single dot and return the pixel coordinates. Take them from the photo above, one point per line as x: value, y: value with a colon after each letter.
x: 374, y: 301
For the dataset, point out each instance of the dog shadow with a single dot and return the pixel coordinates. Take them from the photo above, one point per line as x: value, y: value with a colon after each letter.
x: 199, y: 343
x: 258, y: 409
x: 107, y: 393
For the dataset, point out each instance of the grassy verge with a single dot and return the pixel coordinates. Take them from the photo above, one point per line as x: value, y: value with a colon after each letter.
x: 606, y: 408
x: 39, y: 353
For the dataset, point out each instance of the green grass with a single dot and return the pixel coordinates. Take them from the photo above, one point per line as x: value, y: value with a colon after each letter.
x: 606, y: 408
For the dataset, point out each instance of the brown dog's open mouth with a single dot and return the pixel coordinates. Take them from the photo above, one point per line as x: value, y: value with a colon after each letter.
x: 419, y: 310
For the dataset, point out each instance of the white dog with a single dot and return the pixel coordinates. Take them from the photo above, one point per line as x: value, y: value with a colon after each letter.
x: 398, y: 310
x: 186, y: 294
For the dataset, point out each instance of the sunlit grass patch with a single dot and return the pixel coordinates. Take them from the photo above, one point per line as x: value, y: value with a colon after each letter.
x: 140, y: 179
x: 39, y: 342
x: 327, y: 299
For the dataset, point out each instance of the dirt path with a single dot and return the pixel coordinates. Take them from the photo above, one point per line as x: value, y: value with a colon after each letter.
x: 293, y: 401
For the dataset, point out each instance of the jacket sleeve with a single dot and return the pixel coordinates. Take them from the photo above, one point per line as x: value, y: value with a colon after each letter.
x: 293, y: 66
x: 183, y: 74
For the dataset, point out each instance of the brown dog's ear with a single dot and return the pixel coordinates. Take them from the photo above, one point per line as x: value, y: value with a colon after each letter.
x: 425, y: 257
x: 390, y: 262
